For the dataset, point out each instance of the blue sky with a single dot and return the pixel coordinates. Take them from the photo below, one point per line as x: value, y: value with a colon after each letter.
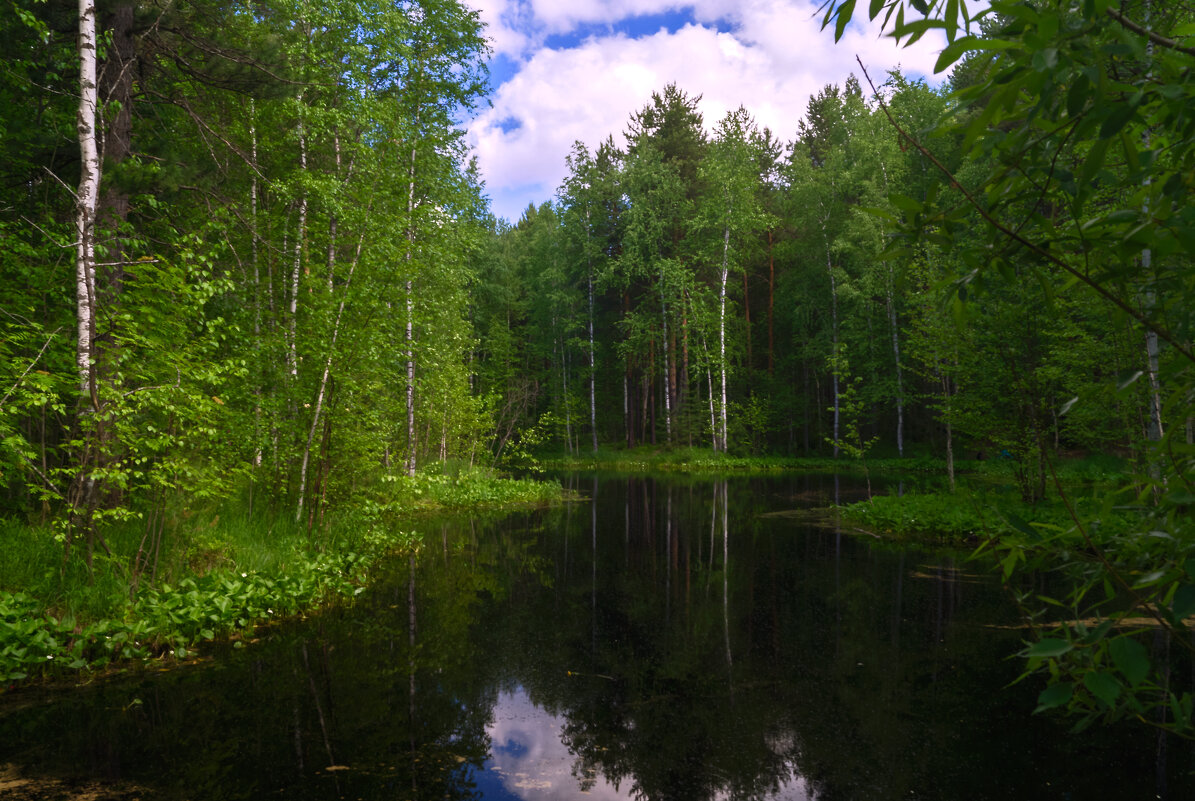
x: 567, y: 70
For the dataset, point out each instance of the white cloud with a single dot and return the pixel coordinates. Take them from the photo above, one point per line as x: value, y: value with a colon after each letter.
x: 774, y: 58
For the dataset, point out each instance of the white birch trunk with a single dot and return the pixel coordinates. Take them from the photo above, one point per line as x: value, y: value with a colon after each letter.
x: 292, y: 355
x: 664, y: 348
x: 87, y: 200
x: 722, y: 329
x: 592, y: 358
x: 833, y: 337
x: 947, y: 394
x: 900, y: 391
x: 253, y: 234
x: 1155, y: 431
x: 323, y: 384
x: 709, y: 379
x: 409, y: 289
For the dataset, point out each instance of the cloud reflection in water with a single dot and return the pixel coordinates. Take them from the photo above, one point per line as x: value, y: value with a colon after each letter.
x: 528, y: 760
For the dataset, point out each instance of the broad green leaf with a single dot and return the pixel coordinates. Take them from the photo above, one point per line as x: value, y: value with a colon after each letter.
x: 1117, y: 118
x: 1021, y: 526
x: 1103, y: 686
x: 1049, y: 648
x: 1054, y: 696
x: 1183, y: 605
x: 1130, y: 658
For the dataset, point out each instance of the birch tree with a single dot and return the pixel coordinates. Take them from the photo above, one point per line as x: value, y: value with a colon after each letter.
x: 732, y: 218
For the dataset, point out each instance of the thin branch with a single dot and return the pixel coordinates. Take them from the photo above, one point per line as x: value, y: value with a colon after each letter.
x: 125, y: 263
x: 1033, y: 247
x: 36, y: 359
x: 1157, y: 39
x: 50, y: 173
x: 50, y: 236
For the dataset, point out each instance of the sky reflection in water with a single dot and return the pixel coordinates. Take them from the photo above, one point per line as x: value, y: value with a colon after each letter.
x: 529, y: 760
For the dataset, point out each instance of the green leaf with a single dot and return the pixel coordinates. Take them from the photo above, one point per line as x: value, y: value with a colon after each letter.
x: 1184, y: 601
x: 1130, y: 658
x: 844, y: 17
x: 1118, y: 117
x: 1021, y: 526
x: 1126, y: 379
x: 1103, y: 686
x: 953, y: 52
x: 1054, y: 696
x: 1049, y: 648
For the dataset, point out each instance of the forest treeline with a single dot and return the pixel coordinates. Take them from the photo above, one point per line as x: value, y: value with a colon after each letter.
x: 742, y: 293
x: 289, y: 278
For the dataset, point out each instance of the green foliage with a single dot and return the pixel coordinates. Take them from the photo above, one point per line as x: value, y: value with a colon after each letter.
x: 983, y: 516
x: 1075, y: 120
x: 470, y: 489
x: 174, y: 618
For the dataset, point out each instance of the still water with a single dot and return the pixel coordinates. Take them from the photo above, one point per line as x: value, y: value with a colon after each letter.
x: 672, y: 639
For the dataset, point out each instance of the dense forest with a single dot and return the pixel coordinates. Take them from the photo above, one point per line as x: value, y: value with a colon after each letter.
x: 245, y: 253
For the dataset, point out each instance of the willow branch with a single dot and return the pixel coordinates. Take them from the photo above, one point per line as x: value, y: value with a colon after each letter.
x: 1032, y: 247
x: 1157, y: 39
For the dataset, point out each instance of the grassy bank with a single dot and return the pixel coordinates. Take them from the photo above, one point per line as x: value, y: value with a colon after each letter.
x: 967, y: 518
x: 218, y: 572
x: 987, y: 505
x: 704, y: 460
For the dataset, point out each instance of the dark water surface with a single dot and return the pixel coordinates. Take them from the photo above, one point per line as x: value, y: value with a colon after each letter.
x: 676, y: 639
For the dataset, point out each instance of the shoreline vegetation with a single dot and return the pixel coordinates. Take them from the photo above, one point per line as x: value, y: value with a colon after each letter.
x: 225, y: 573
x: 221, y: 574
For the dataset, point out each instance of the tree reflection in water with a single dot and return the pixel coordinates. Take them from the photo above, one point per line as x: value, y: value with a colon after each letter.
x: 679, y: 639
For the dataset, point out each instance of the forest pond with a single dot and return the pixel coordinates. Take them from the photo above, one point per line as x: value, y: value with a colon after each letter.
x: 677, y: 638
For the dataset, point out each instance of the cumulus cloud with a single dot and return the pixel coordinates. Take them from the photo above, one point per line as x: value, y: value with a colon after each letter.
x: 768, y: 56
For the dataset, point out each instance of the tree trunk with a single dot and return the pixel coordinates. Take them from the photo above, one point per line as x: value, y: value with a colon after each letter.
x: 900, y: 393
x: 87, y: 201
x: 300, y: 237
x: 747, y: 320
x: 664, y: 349
x: 323, y: 384
x: 592, y: 352
x: 408, y: 287
x: 946, y: 394
x: 722, y: 331
x: 771, y: 303
x: 833, y: 338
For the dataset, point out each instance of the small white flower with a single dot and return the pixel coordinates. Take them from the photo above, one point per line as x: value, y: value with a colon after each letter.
x: 49, y: 656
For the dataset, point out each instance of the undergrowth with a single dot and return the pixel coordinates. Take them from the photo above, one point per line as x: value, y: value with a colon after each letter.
x: 218, y: 572
x: 967, y: 518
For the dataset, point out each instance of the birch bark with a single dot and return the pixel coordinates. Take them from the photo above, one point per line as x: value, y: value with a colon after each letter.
x: 592, y: 367
x: 408, y: 288
x: 86, y: 202
x: 722, y: 329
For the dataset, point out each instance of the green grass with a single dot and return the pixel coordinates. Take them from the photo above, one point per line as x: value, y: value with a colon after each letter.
x: 219, y: 572
x: 968, y: 517
x: 703, y: 460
